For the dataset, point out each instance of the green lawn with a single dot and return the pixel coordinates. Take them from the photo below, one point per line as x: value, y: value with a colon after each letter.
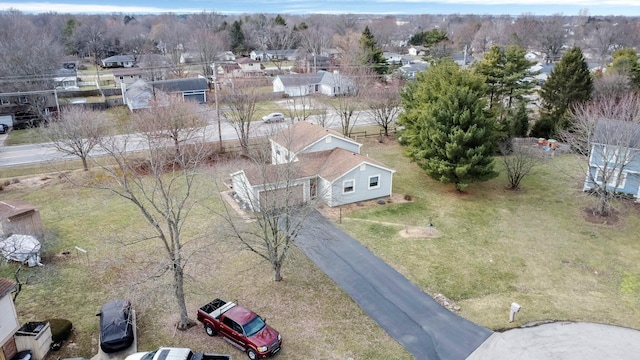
x: 495, y: 247
x: 316, y: 318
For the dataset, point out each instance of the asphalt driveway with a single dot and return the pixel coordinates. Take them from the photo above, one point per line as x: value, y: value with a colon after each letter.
x: 424, y: 327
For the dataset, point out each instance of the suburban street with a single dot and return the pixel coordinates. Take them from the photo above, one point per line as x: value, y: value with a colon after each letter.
x: 40, y: 153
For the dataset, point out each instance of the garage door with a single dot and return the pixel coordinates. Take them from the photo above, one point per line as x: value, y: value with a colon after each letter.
x: 7, y: 120
x: 278, y: 198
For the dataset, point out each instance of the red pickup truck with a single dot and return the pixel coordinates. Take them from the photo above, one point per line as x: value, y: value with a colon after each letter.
x: 240, y: 327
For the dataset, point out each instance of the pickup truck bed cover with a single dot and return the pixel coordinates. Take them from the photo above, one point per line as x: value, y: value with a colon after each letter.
x: 221, y: 310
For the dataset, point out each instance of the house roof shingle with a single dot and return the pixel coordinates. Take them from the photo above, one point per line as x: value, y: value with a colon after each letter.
x: 329, y: 165
x: 10, y: 208
x: 302, y: 134
x: 188, y: 84
x: 6, y: 286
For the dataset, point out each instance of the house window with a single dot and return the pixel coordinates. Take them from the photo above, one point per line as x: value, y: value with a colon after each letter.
x: 615, y: 179
x: 348, y: 186
x: 23, y: 100
x: 374, y: 182
x: 4, y: 101
x: 327, y: 140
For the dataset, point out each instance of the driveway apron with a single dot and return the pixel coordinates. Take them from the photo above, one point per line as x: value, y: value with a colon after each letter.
x: 424, y: 327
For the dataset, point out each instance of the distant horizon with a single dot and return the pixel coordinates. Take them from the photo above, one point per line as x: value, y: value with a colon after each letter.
x: 627, y: 8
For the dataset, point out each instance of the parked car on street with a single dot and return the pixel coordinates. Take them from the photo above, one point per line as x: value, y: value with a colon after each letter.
x: 273, y: 117
x: 116, y: 326
x: 240, y: 327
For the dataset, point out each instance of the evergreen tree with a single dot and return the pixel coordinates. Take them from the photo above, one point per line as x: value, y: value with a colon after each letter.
x: 447, y: 131
x: 520, y: 121
x: 508, y: 76
x: 237, y: 37
x: 569, y: 83
x: 627, y: 62
x: 371, y: 53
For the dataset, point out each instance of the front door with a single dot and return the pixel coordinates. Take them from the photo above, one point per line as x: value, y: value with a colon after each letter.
x: 313, y: 188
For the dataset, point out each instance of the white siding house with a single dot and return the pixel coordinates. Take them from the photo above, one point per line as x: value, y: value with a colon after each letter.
x: 322, y: 82
x: 8, y: 321
x: 308, y: 162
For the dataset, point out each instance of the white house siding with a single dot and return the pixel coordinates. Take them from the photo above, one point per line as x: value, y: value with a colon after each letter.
x: 361, y: 176
x: 279, y: 154
x: 330, y: 142
x: 8, y: 321
x: 242, y: 188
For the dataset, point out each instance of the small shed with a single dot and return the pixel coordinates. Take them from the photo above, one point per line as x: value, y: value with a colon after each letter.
x: 35, y: 337
x: 19, y: 217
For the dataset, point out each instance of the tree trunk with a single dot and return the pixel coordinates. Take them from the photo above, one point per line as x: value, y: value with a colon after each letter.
x: 85, y: 166
x: 178, y: 284
x: 276, y: 272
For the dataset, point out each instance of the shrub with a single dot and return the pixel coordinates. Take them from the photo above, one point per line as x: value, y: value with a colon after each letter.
x: 60, y: 329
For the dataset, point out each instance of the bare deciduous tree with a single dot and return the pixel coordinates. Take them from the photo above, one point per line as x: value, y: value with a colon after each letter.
x: 551, y: 37
x: 602, y: 38
x: 278, y: 208
x: 606, y: 134
x: 239, y: 107
x: 384, y: 103
x: 76, y: 132
x: 162, y: 186
x: 518, y: 160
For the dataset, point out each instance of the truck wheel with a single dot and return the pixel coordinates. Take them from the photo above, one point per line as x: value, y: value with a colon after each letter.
x: 252, y: 354
x: 209, y: 330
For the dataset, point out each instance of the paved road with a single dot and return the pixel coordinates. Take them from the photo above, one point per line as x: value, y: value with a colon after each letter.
x: 424, y: 327
x: 39, y: 153
x: 562, y: 341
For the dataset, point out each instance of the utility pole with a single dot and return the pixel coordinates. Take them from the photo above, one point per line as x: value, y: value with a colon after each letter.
x: 215, y: 95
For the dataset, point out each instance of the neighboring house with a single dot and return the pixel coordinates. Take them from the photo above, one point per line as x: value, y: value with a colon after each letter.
x: 416, y: 50
x: 265, y: 55
x: 154, y: 61
x: 127, y: 76
x: 615, y: 158
x: 19, y: 217
x: 187, y: 58
x: 311, y: 63
x: 226, y: 70
x: 392, y: 58
x: 8, y: 321
x: 66, y: 79
x: 118, y: 61
x: 226, y: 56
x: 326, y: 165
x: 410, y: 71
x: 140, y: 93
x: 322, y: 82
x: 250, y: 67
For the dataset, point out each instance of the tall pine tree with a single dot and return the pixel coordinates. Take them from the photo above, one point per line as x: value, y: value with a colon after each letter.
x: 371, y: 54
x: 569, y: 83
x: 447, y: 131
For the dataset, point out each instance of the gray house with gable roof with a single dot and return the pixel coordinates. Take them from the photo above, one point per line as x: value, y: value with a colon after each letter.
x: 311, y: 162
x: 322, y: 82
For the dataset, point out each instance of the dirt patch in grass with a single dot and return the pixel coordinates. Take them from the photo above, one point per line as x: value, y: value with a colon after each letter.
x: 419, y: 232
x: 590, y: 215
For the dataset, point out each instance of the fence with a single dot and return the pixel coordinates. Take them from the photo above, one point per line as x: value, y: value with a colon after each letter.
x: 378, y: 132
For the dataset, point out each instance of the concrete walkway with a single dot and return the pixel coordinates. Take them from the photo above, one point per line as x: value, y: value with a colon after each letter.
x: 424, y: 327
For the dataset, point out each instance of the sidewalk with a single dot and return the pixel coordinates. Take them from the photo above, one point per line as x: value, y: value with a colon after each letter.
x: 561, y: 341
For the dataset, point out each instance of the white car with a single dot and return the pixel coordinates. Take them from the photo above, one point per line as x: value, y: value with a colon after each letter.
x: 273, y: 117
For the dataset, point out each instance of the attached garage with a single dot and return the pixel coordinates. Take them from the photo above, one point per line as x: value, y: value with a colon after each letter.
x: 279, y: 198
